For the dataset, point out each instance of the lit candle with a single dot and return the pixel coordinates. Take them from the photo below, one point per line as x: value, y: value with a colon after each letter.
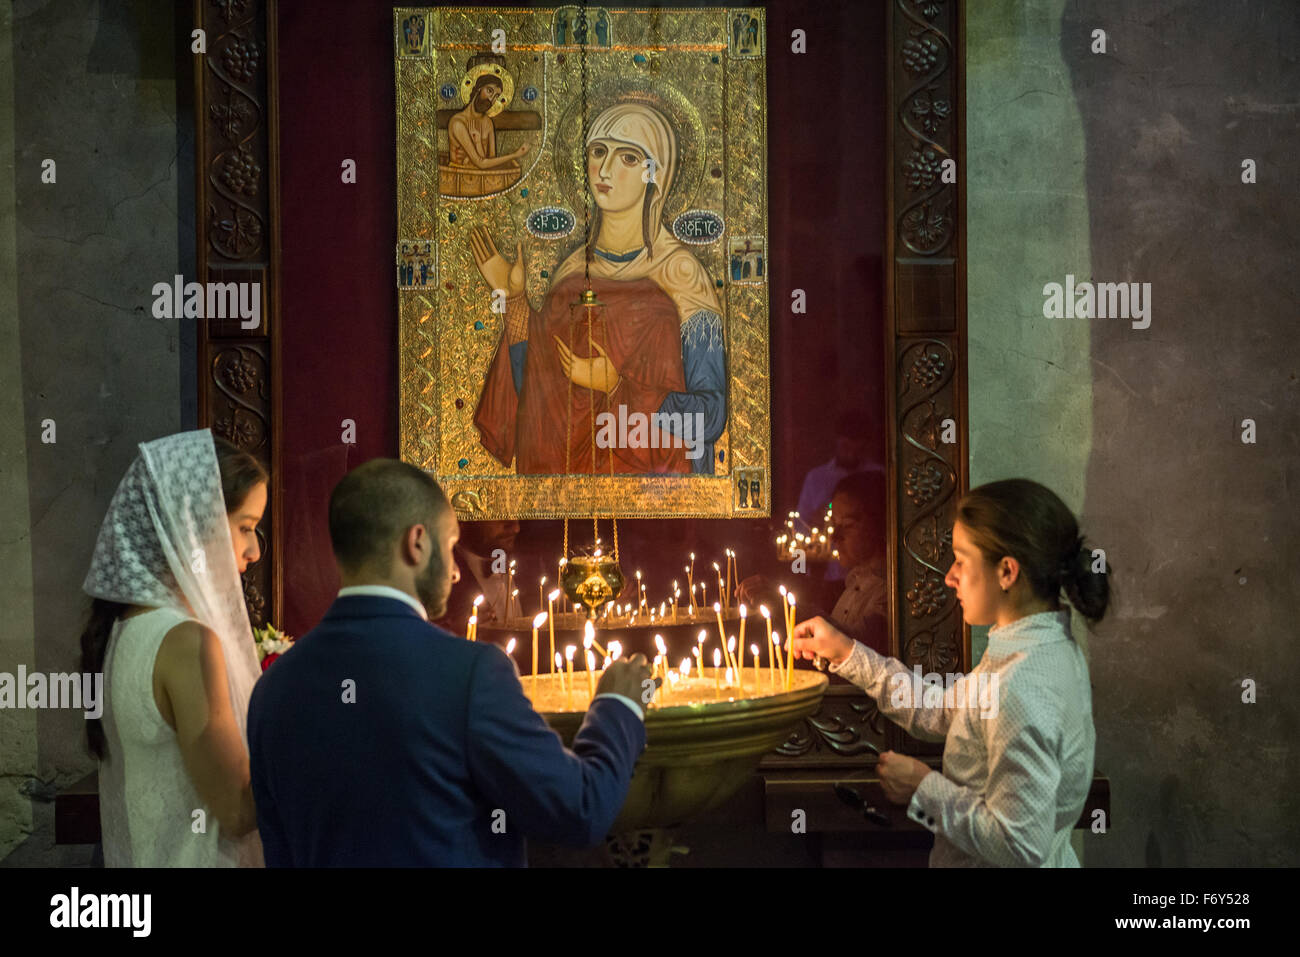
x: 736, y: 663
x: 767, y: 620
x: 789, y: 638
x: 735, y: 570
x: 540, y: 586
x: 537, y: 623
x: 717, y: 669
x: 473, y: 626
x: 685, y: 668
x: 615, y: 650
x: 591, y: 674
x: 722, y: 635
x: 514, y: 602
x: 722, y: 594
x: 699, y: 649
x: 754, y: 650
x: 510, y: 647
x: 663, y: 654
x: 704, y: 594
x: 569, y: 651
x: 559, y: 666
x: 742, y: 630
x: 510, y: 583
x: 550, y: 617
x: 676, y: 594
x: 779, y: 671
x: 474, y: 613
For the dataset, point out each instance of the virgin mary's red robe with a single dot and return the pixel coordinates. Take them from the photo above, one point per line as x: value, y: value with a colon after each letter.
x: 641, y: 334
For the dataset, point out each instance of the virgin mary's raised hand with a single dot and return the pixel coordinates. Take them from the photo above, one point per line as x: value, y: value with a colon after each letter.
x: 496, y: 271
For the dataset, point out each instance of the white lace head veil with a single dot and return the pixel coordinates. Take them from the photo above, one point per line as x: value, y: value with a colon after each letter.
x: 165, y: 543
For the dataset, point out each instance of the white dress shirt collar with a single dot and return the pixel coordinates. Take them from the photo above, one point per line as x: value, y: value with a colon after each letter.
x: 1045, y: 626
x: 383, y: 591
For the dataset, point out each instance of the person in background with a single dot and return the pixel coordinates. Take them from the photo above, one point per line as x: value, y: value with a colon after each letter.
x: 481, y: 544
x: 379, y: 739
x: 1018, y: 732
x: 819, y: 484
x: 858, y: 508
x: 860, y: 610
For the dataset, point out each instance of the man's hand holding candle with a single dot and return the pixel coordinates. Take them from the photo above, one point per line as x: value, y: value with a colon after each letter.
x: 625, y: 677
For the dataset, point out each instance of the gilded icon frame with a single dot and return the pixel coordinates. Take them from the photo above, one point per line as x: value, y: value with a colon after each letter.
x: 449, y: 325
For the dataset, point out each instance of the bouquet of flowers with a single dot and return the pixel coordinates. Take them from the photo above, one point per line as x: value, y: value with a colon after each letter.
x: 271, y: 643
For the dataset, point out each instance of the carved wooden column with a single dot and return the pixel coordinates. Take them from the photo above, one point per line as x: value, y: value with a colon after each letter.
x: 925, y: 295
x: 236, y: 160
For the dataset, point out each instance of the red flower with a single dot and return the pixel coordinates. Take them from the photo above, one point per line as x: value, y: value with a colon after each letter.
x: 269, y: 658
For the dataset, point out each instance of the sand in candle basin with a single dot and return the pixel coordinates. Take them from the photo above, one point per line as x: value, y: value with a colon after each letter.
x: 546, y: 695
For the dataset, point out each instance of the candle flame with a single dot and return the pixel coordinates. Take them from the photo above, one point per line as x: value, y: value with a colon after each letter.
x: 510, y: 647
x: 731, y: 643
x: 763, y: 609
x: 569, y: 651
x: 782, y: 591
x: 685, y: 667
x: 753, y: 649
x: 717, y: 657
x: 742, y: 611
x: 478, y: 601
x: 559, y: 662
x: 702, y: 636
x: 553, y: 595
x: 659, y: 643
x: 717, y: 607
x: 473, y: 619
x: 591, y: 661
x: 539, y: 619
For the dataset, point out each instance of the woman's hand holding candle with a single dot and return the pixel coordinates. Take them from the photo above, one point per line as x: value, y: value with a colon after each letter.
x: 817, y: 636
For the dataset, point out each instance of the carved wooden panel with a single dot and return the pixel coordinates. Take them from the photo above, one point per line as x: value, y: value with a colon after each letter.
x: 926, y: 300
x: 235, y: 159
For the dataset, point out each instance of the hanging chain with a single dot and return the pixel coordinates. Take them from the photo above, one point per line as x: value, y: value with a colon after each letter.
x: 586, y: 273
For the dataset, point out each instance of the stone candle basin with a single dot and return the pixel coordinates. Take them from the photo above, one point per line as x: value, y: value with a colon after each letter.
x: 697, y: 754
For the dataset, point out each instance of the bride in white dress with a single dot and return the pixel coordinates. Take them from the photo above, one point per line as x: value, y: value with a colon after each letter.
x: 170, y: 630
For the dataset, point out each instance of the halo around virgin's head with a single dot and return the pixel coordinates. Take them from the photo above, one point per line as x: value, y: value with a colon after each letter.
x: 681, y: 115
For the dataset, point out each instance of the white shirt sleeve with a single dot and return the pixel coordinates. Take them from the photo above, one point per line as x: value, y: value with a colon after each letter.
x: 636, y: 708
x: 890, y: 684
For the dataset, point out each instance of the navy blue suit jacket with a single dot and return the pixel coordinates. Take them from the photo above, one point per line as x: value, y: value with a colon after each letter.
x: 417, y: 770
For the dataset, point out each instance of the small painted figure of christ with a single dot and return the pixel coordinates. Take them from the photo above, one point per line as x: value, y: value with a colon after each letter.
x: 471, y: 166
x: 655, y: 360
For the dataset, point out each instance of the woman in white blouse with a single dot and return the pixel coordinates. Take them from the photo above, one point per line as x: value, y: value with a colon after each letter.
x: 1018, y: 732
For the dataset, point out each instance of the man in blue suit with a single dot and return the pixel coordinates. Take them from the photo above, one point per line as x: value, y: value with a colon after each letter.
x: 381, y: 740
